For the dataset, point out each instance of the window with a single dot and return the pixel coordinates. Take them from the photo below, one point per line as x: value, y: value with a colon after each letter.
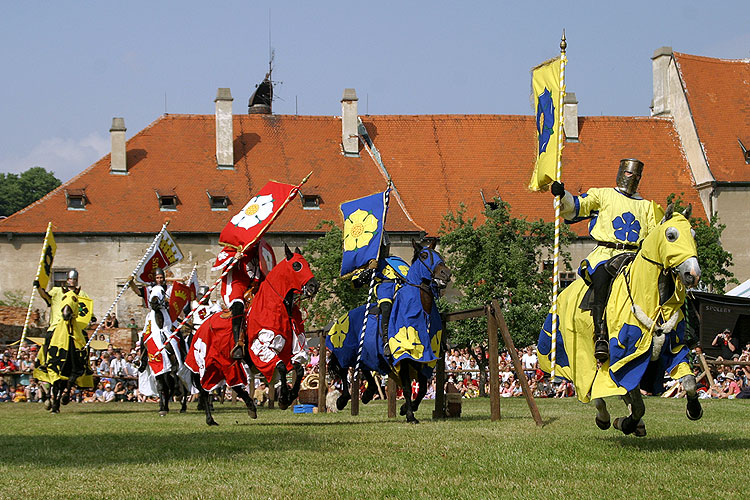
x: 76, y: 199
x: 567, y: 278
x: 167, y: 199
x: 311, y: 201
x: 218, y: 200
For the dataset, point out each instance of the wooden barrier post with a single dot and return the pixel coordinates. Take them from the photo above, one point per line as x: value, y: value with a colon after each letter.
x: 392, y: 389
x: 706, y: 369
x: 439, y: 411
x: 322, y: 368
x: 492, y: 358
x: 500, y: 319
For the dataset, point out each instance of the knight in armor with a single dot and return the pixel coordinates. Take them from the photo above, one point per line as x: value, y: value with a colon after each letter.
x: 241, y: 283
x: 53, y: 298
x: 160, y: 279
x: 620, y: 220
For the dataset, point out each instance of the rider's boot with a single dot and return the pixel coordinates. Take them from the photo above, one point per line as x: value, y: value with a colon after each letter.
x: 601, y: 344
x: 238, y: 310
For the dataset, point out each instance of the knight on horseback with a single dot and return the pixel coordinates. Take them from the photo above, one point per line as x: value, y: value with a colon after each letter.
x: 620, y: 220
x: 242, y: 280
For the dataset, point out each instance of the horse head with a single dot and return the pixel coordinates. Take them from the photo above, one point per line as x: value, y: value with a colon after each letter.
x: 672, y: 246
x: 157, y: 302
x: 292, y: 277
x: 69, y: 306
x: 431, y: 270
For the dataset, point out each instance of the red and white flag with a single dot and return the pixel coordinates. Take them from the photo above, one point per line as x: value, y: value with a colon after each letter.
x: 178, y: 299
x: 193, y: 285
x: 255, y: 217
x: 163, y: 254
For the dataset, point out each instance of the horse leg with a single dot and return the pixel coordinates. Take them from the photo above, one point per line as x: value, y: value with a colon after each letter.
x: 203, y: 399
x: 371, y: 387
x: 163, y: 389
x: 337, y: 371
x: 242, y: 393
x: 406, y: 408
x: 694, y: 410
x: 602, y: 418
x: 640, y: 430
x: 55, y: 395
x: 630, y: 424
x: 184, y: 396
x: 299, y: 374
x: 46, y: 388
x: 284, y: 393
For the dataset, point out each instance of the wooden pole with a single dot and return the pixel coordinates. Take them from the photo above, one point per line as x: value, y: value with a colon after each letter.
x: 493, y: 352
x: 439, y: 411
x: 500, y: 319
x: 354, y: 390
x: 706, y: 369
x: 392, y: 389
x: 322, y: 368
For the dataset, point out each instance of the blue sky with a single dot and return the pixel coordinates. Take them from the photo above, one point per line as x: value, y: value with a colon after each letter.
x: 69, y: 67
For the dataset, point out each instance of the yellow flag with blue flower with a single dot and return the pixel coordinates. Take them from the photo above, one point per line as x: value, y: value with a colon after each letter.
x: 547, y: 93
x: 364, y: 220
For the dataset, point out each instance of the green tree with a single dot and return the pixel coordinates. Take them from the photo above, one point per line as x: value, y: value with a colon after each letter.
x: 499, y: 259
x: 713, y: 259
x: 335, y: 296
x: 19, y: 191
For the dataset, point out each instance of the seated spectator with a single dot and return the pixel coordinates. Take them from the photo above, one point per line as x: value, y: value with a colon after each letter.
x: 261, y: 394
x: 731, y: 389
x: 109, y: 322
x: 33, y: 393
x: 99, y: 392
x: 131, y: 393
x: 7, y: 364
x: 108, y: 395
x: 120, y: 392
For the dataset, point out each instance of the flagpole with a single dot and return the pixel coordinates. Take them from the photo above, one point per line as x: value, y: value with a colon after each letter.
x: 231, y: 265
x: 33, y: 289
x: 371, y: 291
x: 127, y: 283
x: 558, y: 199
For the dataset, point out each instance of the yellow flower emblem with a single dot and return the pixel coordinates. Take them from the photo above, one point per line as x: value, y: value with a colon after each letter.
x: 406, y: 341
x: 435, y: 343
x: 359, y: 229
x: 339, y: 330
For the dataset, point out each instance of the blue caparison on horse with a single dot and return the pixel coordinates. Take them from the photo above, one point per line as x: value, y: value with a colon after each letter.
x: 645, y: 324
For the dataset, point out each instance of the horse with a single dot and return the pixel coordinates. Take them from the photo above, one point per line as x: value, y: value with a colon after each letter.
x: 63, y: 361
x: 344, y: 335
x: 275, y: 337
x: 645, y: 324
x: 164, y: 359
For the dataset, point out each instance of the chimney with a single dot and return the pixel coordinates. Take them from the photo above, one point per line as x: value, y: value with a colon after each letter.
x: 224, y: 132
x: 118, y: 158
x: 660, y: 67
x: 570, y: 117
x: 349, y: 135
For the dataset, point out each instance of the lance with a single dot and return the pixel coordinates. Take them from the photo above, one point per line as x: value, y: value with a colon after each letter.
x: 127, y: 283
x: 558, y: 199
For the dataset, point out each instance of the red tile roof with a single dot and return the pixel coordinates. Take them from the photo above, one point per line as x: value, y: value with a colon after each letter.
x: 436, y: 161
x: 718, y: 93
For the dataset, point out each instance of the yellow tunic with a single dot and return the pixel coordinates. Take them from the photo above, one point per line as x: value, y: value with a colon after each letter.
x: 615, y: 218
x: 56, y: 296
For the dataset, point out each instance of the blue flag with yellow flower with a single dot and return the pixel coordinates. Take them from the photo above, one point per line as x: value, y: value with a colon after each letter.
x: 548, y: 88
x: 364, y: 219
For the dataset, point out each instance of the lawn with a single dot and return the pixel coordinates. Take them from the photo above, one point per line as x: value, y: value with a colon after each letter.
x: 123, y: 450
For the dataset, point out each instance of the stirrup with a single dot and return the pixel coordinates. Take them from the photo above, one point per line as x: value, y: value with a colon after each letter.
x: 237, y: 352
x: 601, y: 350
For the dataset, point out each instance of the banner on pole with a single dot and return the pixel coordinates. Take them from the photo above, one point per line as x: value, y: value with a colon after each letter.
x: 178, y: 299
x: 48, y: 255
x: 363, y: 230
x: 163, y: 254
x: 547, y: 90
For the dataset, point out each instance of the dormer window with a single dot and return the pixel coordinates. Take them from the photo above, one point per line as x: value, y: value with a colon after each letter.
x: 167, y: 200
x: 76, y: 199
x: 311, y: 201
x: 218, y: 199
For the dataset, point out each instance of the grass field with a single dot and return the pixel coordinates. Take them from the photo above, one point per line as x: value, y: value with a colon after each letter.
x: 122, y: 450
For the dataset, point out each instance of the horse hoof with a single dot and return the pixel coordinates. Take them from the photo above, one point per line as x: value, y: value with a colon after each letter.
x: 640, y: 430
x: 48, y: 404
x: 211, y: 422
x: 601, y: 351
x: 183, y: 410
x: 367, y: 396
x: 402, y: 411
x: 162, y: 413
x: 65, y: 399
x: 603, y: 424
x: 694, y: 410
x: 252, y: 412
x: 412, y: 421
x: 342, y: 401
x: 626, y: 425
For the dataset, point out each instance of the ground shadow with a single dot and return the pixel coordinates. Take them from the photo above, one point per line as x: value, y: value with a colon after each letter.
x: 707, y: 441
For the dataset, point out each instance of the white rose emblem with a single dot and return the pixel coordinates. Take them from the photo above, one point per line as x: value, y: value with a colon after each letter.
x: 256, y: 211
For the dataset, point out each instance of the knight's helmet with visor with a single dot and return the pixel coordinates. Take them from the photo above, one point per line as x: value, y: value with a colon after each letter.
x: 628, y: 184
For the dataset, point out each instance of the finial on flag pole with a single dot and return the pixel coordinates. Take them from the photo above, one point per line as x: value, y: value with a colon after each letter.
x: 563, y: 43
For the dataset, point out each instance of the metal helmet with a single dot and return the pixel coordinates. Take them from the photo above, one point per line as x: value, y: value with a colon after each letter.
x: 73, y: 275
x: 159, y: 272
x: 202, y: 290
x: 629, y: 184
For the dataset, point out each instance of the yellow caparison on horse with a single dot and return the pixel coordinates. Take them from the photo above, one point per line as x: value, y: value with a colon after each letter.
x: 645, y: 324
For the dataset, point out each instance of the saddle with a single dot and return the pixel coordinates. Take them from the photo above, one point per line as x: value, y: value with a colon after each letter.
x: 613, y: 267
